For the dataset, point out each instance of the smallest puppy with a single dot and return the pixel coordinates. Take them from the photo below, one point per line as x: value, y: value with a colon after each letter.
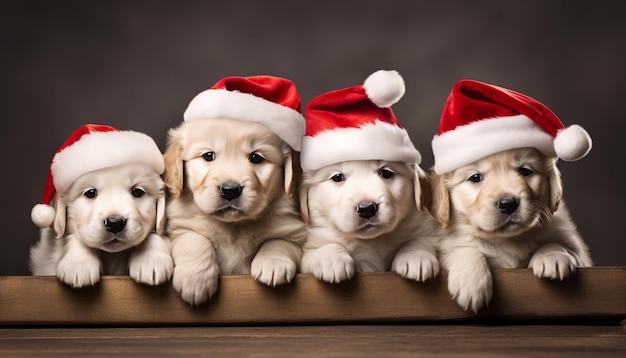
x: 102, y: 210
x: 362, y: 187
x: 498, y: 191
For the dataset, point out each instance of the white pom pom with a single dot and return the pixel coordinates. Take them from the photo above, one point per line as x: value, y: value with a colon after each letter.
x: 384, y: 88
x: 42, y: 215
x: 572, y: 143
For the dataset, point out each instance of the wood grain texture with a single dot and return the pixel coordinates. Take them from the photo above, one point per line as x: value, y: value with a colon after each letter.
x: 593, y: 293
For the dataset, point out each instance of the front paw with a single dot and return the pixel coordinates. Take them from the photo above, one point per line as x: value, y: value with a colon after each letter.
x: 273, y: 270
x: 79, y: 271
x: 195, y: 286
x: 416, y: 265
x: 470, y: 289
x: 151, y: 266
x: 329, y: 264
x: 553, y: 264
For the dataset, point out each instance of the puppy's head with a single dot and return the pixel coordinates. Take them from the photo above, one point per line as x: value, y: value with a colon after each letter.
x: 112, y: 209
x: 501, y: 195
x: 231, y: 169
x: 365, y: 198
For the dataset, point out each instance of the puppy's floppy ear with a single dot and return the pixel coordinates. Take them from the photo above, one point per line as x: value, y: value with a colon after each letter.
x: 292, y: 170
x: 304, y: 204
x: 173, y: 156
x: 60, y: 216
x: 421, y: 186
x: 556, y: 186
x: 160, y: 212
x: 439, y: 206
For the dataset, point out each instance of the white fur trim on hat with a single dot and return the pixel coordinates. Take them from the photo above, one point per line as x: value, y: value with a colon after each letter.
x: 100, y: 150
x: 285, y: 122
x: 376, y: 141
x: 384, y: 88
x: 572, y: 143
x: 42, y: 215
x: 471, y: 142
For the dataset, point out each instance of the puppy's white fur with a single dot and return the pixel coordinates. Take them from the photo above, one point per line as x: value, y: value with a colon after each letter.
x: 504, y: 211
x: 397, y: 237
x: 260, y: 232
x: 78, y: 248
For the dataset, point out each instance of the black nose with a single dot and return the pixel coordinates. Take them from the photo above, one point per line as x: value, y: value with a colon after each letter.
x: 115, y: 224
x: 230, y: 190
x: 507, y: 205
x: 367, y: 209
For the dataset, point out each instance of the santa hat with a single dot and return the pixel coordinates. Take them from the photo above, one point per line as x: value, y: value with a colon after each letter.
x: 357, y: 123
x: 92, y: 147
x: 271, y: 101
x: 480, y: 119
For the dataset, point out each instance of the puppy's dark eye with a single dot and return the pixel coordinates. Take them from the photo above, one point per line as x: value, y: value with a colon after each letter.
x: 338, y: 178
x: 137, y: 192
x: 256, y: 158
x: 90, y: 194
x: 524, y: 171
x: 386, y: 173
x: 208, y: 156
x: 475, y: 178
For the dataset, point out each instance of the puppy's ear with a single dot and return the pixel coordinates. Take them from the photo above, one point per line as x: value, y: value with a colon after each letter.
x: 160, y: 213
x: 60, y: 216
x: 556, y: 186
x: 439, y: 206
x: 423, y: 197
x: 304, y: 204
x: 173, y: 156
x: 292, y: 170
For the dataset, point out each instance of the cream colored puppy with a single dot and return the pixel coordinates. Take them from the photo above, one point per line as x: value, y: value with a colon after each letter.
x: 504, y: 211
x: 363, y: 217
x: 229, y: 212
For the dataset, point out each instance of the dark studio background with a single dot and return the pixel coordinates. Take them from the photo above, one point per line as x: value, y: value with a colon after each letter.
x: 136, y: 65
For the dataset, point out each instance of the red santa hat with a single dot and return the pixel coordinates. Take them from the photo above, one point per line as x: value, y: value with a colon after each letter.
x: 480, y: 119
x: 92, y: 147
x: 271, y: 101
x: 357, y: 123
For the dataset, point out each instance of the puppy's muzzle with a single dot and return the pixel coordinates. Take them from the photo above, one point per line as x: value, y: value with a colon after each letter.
x: 507, y: 205
x: 230, y: 190
x: 366, y: 210
x: 115, y: 224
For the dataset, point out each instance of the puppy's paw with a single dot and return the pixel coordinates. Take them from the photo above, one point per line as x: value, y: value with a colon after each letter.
x: 79, y: 271
x: 329, y: 263
x: 151, y: 266
x: 273, y: 270
x: 195, y: 286
x: 418, y: 265
x: 552, y: 263
x: 470, y: 289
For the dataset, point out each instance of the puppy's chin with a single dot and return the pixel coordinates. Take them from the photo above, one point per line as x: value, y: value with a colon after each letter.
x: 369, y: 231
x: 232, y: 214
x: 115, y: 244
x: 509, y: 227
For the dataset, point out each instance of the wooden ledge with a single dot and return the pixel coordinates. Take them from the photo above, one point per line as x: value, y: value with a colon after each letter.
x: 593, y: 293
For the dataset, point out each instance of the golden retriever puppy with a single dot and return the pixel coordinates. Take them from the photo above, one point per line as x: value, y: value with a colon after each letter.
x: 103, y: 215
x: 229, y: 212
x: 497, y: 190
x: 363, y: 189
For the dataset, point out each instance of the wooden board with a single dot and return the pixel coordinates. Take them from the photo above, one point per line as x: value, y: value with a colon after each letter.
x: 593, y: 293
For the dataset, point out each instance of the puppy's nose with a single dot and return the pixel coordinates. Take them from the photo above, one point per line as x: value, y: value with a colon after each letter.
x: 507, y: 205
x: 367, y: 209
x: 230, y: 190
x: 115, y: 224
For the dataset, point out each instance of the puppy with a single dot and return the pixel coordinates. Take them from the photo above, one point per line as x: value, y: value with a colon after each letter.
x: 363, y: 217
x: 106, y: 223
x: 229, y: 212
x: 504, y: 211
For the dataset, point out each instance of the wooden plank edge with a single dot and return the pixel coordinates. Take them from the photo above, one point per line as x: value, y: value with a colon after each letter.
x: 593, y: 293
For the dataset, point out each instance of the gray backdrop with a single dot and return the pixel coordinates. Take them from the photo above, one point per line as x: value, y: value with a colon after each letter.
x: 136, y: 65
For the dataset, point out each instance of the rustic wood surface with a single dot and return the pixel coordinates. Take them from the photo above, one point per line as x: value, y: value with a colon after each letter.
x: 320, y: 341
x: 593, y: 293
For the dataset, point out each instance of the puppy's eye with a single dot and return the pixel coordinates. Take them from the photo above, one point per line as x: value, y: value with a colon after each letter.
x: 90, y: 194
x: 386, y: 173
x: 137, y: 192
x: 524, y: 171
x: 338, y: 178
x: 475, y: 178
x: 256, y: 158
x: 208, y: 156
